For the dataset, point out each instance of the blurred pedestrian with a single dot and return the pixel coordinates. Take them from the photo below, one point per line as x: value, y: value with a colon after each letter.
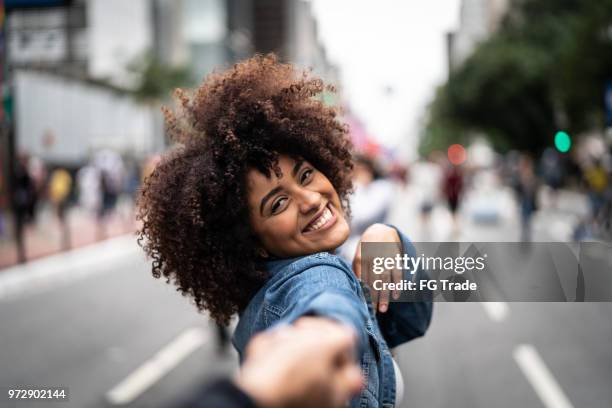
x: 111, y: 173
x: 596, y: 178
x: 452, y: 188
x: 60, y: 186
x: 38, y: 172
x: 429, y: 186
x: 22, y: 197
x: 89, y: 190
x: 552, y: 172
x: 527, y: 189
x: 90, y: 195
x: 306, y: 365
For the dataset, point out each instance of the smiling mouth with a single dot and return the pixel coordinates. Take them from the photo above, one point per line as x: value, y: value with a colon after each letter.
x: 323, y: 221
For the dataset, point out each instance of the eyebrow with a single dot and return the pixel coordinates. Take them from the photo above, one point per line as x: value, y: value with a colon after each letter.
x: 271, y: 193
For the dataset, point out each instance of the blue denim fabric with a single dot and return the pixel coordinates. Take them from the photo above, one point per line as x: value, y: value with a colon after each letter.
x: 323, y: 284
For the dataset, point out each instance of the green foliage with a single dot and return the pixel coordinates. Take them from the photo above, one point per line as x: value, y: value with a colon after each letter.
x: 157, y: 80
x: 545, y: 69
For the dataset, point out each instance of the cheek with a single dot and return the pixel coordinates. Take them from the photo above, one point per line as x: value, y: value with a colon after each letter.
x: 279, y: 229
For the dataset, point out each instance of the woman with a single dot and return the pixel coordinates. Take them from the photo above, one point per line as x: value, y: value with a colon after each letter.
x: 244, y: 215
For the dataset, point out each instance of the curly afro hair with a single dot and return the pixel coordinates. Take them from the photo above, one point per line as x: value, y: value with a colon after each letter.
x: 193, y: 206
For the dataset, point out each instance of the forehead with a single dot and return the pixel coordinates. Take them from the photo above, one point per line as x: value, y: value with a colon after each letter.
x: 258, y: 182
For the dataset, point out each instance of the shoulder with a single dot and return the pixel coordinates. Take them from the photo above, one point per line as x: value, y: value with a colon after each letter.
x: 312, y: 272
x: 317, y: 262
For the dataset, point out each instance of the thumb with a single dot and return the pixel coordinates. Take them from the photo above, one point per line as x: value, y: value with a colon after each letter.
x: 349, y: 383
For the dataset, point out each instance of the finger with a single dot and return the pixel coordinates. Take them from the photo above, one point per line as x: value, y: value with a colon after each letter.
x: 383, y: 297
x: 397, y: 277
x: 383, y: 302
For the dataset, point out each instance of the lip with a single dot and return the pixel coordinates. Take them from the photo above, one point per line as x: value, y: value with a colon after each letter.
x: 328, y: 225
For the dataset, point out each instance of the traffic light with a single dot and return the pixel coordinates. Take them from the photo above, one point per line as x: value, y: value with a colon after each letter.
x: 456, y: 154
x: 563, y: 141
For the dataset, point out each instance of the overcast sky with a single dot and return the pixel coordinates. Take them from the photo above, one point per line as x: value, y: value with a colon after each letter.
x: 388, y: 44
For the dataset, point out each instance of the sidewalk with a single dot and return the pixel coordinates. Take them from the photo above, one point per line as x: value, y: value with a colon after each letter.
x: 45, y: 237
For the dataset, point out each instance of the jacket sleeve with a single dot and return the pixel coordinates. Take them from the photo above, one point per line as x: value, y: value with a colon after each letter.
x: 405, y: 321
x: 221, y: 393
x: 326, y: 291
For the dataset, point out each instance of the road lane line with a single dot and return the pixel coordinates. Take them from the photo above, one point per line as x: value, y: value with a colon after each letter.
x: 540, y: 377
x: 155, y: 368
x: 497, y: 311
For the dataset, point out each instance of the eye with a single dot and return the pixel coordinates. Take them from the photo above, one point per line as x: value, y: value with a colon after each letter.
x: 278, y: 205
x: 306, y: 176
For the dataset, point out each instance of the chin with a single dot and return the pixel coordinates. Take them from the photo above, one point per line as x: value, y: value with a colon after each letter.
x: 337, y: 238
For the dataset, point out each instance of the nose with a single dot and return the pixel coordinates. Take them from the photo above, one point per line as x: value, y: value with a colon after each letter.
x: 309, y: 200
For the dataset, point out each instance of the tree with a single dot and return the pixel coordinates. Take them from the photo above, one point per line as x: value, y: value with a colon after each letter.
x: 156, y: 80
x: 545, y: 69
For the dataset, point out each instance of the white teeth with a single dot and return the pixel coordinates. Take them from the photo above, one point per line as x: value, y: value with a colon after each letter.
x: 326, y: 216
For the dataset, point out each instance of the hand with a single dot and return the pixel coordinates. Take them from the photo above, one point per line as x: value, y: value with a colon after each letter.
x: 307, y: 364
x: 378, y: 233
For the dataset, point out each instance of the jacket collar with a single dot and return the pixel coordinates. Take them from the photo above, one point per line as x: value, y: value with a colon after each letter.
x: 275, y: 265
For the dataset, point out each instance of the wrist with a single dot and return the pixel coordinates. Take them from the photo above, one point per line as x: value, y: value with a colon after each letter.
x: 259, y: 390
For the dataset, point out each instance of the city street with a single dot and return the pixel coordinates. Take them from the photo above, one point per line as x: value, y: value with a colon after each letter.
x: 88, y: 319
x: 95, y: 321
x: 231, y: 132
x: 492, y: 354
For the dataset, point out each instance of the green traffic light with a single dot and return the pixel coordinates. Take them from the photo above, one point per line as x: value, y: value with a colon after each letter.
x: 563, y: 141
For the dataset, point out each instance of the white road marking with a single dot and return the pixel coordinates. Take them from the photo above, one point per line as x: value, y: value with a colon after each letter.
x: 49, y: 272
x: 540, y: 377
x: 155, y: 368
x: 497, y: 311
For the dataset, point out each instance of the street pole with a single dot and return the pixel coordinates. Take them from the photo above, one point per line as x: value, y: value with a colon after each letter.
x: 8, y: 128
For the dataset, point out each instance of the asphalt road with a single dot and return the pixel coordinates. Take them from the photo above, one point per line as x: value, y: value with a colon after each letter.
x: 95, y: 321
x: 95, y: 325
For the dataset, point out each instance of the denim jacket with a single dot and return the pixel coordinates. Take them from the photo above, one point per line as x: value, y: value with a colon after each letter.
x: 323, y: 284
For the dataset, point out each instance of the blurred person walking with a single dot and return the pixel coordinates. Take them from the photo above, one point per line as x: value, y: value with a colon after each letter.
x: 90, y: 194
x: 552, y: 172
x: 526, y: 190
x: 429, y: 186
x: 596, y: 179
x: 111, y: 174
x: 60, y: 186
x: 452, y: 188
x: 38, y: 172
x: 23, y: 194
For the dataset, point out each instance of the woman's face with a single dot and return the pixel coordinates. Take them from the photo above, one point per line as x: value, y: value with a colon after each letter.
x: 298, y: 213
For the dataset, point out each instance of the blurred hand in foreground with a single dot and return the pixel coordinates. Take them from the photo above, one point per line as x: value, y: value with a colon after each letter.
x: 308, y: 364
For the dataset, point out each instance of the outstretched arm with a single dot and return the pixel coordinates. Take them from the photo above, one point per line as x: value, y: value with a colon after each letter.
x: 327, y: 291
